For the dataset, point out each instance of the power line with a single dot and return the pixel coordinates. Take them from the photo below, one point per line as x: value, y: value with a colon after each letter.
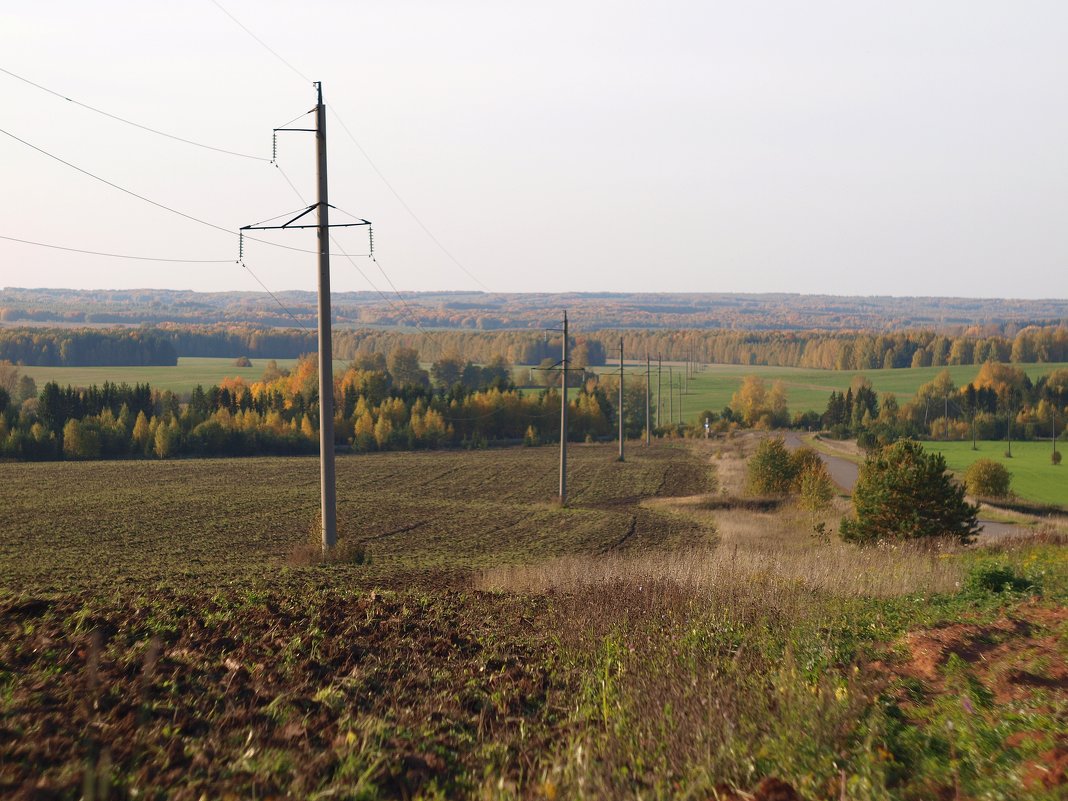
x: 356, y: 142
x: 412, y: 316
x: 281, y: 305
x: 407, y: 208
x: 117, y: 255
x: 130, y: 192
x: 131, y: 122
x: 116, y: 186
x: 261, y: 42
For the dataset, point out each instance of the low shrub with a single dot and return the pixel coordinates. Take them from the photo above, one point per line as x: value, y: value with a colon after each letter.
x: 986, y: 478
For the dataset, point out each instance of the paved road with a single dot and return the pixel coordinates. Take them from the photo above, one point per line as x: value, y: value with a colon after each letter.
x: 844, y: 473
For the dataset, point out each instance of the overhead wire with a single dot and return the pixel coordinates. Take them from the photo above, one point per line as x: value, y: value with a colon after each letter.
x: 285, y: 308
x: 260, y: 41
x: 116, y: 255
x: 148, y: 200
x: 166, y: 208
x: 406, y: 207
x: 360, y: 147
x: 355, y: 266
x: 126, y: 121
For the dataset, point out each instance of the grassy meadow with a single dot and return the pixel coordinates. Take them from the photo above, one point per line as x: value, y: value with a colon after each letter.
x: 808, y: 390
x: 1034, y: 477
x: 168, y: 631
x: 710, y: 389
x: 190, y: 371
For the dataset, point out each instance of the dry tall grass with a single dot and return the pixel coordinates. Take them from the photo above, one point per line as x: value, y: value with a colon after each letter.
x: 768, y: 543
x: 838, y: 571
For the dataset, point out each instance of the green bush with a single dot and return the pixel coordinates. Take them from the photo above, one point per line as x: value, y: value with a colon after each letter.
x: 903, y: 492
x: 803, y: 460
x: 986, y: 478
x: 994, y: 577
x: 1056, y: 458
x: 814, y: 488
x: 771, y: 468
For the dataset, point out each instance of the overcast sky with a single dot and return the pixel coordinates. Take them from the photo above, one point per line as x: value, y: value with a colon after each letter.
x: 846, y: 147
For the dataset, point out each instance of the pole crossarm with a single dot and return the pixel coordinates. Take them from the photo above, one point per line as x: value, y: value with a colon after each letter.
x: 288, y: 226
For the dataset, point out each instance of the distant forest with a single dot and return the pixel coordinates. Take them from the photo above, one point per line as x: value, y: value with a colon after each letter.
x: 811, y: 349
x: 483, y: 311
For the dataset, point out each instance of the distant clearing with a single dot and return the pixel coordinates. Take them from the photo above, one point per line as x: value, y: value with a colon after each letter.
x: 1034, y: 477
x: 190, y: 371
x: 807, y: 390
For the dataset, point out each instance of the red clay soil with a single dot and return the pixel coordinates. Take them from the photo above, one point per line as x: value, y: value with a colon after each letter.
x: 1049, y: 770
x: 1013, y: 656
x: 1020, y: 653
x: 769, y: 789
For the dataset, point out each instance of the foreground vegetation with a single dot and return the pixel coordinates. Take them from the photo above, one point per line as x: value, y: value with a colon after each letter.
x: 165, y: 630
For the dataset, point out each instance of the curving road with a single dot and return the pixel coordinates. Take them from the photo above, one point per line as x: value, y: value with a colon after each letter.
x: 844, y: 473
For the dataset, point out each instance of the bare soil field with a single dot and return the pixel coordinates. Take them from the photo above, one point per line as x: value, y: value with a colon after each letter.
x: 167, y: 632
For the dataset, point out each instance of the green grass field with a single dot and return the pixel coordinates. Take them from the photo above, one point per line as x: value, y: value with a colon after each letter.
x: 711, y: 389
x: 806, y: 390
x: 1034, y: 477
x: 189, y: 372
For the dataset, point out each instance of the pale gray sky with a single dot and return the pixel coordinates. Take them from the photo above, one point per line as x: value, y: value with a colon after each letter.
x: 842, y: 147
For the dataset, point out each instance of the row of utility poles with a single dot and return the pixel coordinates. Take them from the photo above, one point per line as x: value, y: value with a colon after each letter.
x: 327, y: 471
x: 682, y: 384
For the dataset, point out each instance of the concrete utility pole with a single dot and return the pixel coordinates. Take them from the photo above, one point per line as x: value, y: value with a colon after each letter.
x: 680, y: 401
x: 327, y: 473
x: 671, y: 397
x: 648, y: 392
x: 621, y: 399
x: 563, y: 420
x: 659, y: 393
x: 328, y: 483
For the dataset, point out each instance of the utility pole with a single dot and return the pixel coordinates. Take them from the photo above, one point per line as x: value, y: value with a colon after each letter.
x: 1053, y: 426
x: 621, y: 399
x: 680, y: 401
x: 327, y: 472
x: 563, y: 420
x: 659, y: 394
x: 671, y: 397
x: 648, y: 392
x: 945, y: 415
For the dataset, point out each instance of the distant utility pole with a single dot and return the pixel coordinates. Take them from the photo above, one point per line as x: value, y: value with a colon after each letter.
x: 621, y: 399
x: 680, y: 401
x: 1053, y: 426
x: 659, y: 393
x: 327, y: 475
x: 671, y: 397
x: 563, y: 419
x: 648, y: 392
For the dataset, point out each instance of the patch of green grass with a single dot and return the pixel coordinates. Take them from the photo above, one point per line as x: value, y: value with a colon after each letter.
x: 183, y: 377
x: 806, y: 389
x: 1034, y: 477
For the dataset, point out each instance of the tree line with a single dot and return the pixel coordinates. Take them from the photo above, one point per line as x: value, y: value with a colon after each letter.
x: 810, y: 349
x: 1001, y: 402
x: 66, y: 347
x: 382, y: 402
